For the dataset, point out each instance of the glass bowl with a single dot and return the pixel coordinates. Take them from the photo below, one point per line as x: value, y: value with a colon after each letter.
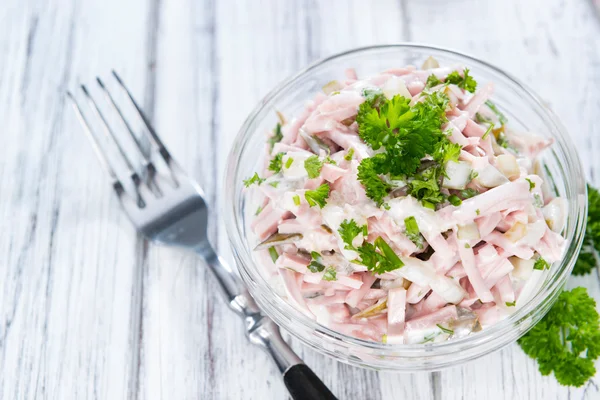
x: 524, y: 110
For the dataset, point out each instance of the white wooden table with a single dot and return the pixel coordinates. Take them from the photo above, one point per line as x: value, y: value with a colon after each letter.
x: 90, y: 310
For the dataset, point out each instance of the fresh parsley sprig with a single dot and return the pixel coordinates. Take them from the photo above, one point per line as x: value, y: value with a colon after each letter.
x: 591, y: 241
x: 317, y: 196
x: 567, y: 340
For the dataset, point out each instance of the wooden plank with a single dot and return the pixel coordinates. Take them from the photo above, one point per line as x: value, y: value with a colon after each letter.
x: 68, y: 256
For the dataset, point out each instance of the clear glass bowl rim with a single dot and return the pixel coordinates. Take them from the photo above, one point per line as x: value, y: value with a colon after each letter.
x: 535, y: 309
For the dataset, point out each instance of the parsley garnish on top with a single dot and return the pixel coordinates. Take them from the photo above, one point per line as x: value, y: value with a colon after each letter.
x: 348, y: 230
x: 465, y: 81
x: 313, y: 166
x: 407, y: 134
x: 567, y: 340
x: 317, y: 196
x: 254, y: 179
x: 379, y: 257
x: 276, y: 163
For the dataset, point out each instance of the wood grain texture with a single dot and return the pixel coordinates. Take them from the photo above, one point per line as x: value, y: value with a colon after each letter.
x: 90, y: 310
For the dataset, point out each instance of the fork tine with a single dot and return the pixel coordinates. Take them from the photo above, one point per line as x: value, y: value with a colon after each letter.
x: 151, y: 169
x: 96, y: 146
x: 134, y: 175
x: 154, y: 136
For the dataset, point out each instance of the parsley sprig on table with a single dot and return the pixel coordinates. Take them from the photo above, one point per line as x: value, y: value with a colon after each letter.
x: 407, y: 134
x: 567, y: 340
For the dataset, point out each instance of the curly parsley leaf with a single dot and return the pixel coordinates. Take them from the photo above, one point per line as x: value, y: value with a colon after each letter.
x: 375, y: 187
x: 317, y: 196
x: 432, y: 81
x: 313, y: 166
x: 379, y: 257
x: 567, y: 340
x: 276, y: 163
x: 465, y: 81
x: 348, y: 230
x: 330, y: 274
x: 254, y: 179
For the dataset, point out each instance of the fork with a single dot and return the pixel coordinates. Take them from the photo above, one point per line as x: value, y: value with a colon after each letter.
x: 172, y: 211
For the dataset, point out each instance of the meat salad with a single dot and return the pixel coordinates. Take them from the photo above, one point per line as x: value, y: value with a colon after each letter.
x: 403, y: 208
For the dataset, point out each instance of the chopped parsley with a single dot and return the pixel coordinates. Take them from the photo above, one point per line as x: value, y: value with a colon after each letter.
x: 258, y: 210
x: 289, y: 162
x: 413, y: 232
x: 379, y: 257
x: 445, y: 330
x: 541, y: 264
x: 531, y: 184
x: 296, y: 199
x: 467, y: 246
x: 317, y: 196
x: 510, y: 304
x: 349, y: 230
x: 465, y: 81
x: 477, y: 211
x: 254, y: 179
x: 316, y: 263
x: 567, y: 340
x: 487, y: 132
x: 349, y: 155
x: 454, y: 200
x: 313, y: 166
x: 330, y: 274
x: 432, y: 81
x: 407, y: 134
x: 276, y: 163
x: 277, y: 136
x: 468, y: 193
x: 273, y: 253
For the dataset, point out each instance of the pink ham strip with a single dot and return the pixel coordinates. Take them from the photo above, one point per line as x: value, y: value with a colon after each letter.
x: 498, y: 239
x: 292, y: 282
x: 416, y: 293
x: 478, y: 99
x: 269, y: 220
x: 505, y: 289
x: 488, y: 223
x: 396, y: 304
x: 468, y: 262
x: 337, y: 298
x: 375, y: 294
x: 331, y: 173
x: 355, y: 296
x: 429, y: 320
x: 293, y: 261
x: 354, y: 281
x: 496, y: 199
x: 502, y: 269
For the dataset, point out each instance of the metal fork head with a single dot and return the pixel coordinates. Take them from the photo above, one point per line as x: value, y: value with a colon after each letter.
x: 165, y: 205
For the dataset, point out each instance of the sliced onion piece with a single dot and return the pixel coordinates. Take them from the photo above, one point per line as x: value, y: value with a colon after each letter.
x: 458, y: 175
x: 555, y: 214
x: 522, y: 268
x: 430, y: 63
x: 468, y: 231
x: 395, y: 86
x: 507, y: 164
x: 490, y: 177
